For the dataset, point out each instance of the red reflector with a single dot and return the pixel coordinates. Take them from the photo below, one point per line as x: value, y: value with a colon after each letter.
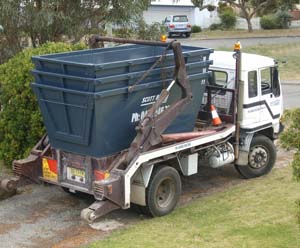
x: 189, y: 25
x: 100, y: 175
x: 52, y: 165
x: 172, y: 26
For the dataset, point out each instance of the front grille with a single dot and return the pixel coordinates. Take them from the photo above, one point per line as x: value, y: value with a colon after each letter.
x: 99, y: 191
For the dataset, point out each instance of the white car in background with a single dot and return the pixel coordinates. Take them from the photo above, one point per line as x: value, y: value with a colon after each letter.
x: 177, y: 24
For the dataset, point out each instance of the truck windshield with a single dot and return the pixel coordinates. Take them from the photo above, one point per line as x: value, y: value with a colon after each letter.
x: 180, y: 19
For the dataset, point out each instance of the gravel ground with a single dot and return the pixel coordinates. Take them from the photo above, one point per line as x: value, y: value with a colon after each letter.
x: 45, y: 215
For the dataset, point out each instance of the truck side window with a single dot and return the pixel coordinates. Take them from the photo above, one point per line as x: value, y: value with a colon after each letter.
x: 266, y: 81
x: 218, y: 78
x: 252, y: 84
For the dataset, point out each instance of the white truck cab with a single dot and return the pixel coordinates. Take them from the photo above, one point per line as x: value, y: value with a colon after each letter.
x: 260, y: 95
x: 260, y: 89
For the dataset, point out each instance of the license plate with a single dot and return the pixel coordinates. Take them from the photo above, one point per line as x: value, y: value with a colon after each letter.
x: 76, y: 175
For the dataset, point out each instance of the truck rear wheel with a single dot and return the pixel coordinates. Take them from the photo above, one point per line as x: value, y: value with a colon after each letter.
x: 163, y: 191
x: 261, y: 158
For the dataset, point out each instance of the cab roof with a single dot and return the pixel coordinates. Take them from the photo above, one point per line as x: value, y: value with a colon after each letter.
x: 222, y: 59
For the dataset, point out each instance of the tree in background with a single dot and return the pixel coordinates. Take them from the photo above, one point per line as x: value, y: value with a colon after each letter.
x: 203, y: 4
x: 279, y: 11
x: 40, y: 21
x: 249, y: 8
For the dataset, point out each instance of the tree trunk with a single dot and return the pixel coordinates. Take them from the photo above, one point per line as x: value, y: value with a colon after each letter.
x: 250, y: 29
x: 38, y: 4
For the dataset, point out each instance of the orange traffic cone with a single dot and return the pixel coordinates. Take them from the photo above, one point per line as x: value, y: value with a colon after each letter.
x: 215, y: 117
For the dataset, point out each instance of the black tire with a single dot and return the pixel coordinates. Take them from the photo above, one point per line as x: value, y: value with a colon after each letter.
x: 261, y: 158
x: 187, y: 35
x: 163, y: 192
x: 170, y: 35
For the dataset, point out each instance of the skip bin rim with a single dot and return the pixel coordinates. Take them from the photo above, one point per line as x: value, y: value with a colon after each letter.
x: 196, y: 52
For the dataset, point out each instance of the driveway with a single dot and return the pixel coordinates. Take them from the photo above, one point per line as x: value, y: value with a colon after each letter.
x: 44, y: 215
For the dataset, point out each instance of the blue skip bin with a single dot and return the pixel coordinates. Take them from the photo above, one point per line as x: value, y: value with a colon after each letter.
x: 85, y: 99
x: 103, y: 123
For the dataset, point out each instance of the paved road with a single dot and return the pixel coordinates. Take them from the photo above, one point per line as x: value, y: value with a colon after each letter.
x: 291, y: 95
x: 217, y: 43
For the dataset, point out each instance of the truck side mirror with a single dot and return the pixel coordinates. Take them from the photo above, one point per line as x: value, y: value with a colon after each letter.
x: 275, y: 86
x: 211, y: 78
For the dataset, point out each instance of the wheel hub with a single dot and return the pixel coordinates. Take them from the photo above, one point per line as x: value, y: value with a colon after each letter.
x: 258, y: 157
x: 165, y: 193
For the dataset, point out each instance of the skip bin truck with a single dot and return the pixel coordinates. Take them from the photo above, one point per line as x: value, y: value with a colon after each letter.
x: 126, y: 123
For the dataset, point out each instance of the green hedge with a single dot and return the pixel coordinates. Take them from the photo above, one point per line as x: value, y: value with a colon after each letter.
x: 228, y: 19
x: 196, y: 29
x: 289, y: 138
x: 270, y: 22
x: 21, y: 123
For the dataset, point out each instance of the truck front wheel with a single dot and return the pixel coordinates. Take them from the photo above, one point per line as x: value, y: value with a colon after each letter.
x: 163, y: 191
x: 261, y: 158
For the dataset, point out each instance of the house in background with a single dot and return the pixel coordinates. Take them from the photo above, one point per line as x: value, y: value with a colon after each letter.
x: 160, y: 9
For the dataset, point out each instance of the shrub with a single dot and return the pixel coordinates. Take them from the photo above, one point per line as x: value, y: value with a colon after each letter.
x: 196, y: 29
x: 290, y: 138
x: 215, y: 26
x: 284, y: 18
x: 21, y: 123
x: 269, y: 22
x: 228, y: 19
x: 153, y: 31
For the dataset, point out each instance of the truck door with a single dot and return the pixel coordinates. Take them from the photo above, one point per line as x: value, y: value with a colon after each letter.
x: 251, y: 103
x: 270, y: 98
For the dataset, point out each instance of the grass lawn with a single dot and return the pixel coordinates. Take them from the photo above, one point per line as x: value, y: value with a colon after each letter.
x: 258, y: 213
x: 207, y: 34
x: 288, y: 56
